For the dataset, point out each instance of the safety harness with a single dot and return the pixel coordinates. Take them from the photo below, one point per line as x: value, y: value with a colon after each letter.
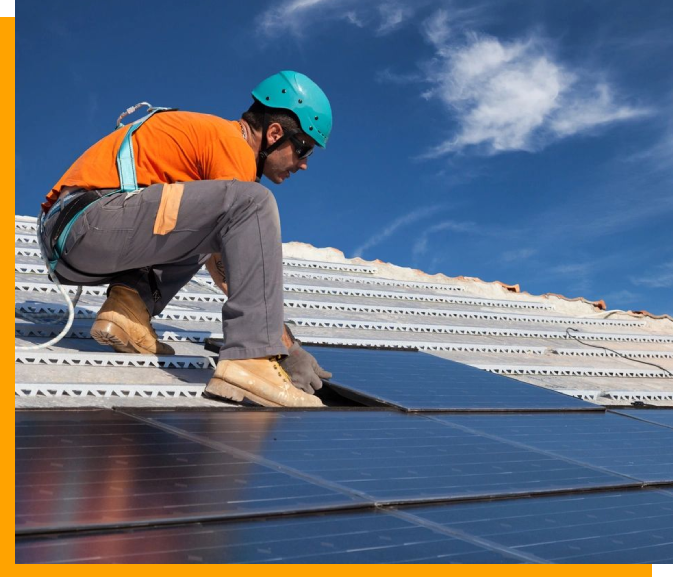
x: 128, y: 182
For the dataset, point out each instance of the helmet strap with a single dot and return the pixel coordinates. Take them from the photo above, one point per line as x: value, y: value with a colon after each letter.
x: 266, y: 150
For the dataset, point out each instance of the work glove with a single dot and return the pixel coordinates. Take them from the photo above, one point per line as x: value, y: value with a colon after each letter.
x: 303, y: 369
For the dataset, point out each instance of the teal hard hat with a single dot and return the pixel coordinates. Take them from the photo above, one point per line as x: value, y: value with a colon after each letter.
x: 298, y: 93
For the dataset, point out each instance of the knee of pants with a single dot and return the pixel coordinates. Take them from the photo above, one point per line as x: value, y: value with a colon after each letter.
x: 263, y: 200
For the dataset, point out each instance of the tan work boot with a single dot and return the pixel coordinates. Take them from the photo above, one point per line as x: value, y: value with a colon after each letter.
x: 124, y: 324
x: 262, y: 381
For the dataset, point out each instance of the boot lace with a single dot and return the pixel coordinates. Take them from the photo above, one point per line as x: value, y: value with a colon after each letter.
x: 281, y: 371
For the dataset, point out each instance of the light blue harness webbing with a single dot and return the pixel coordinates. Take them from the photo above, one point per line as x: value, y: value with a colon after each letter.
x: 126, y: 168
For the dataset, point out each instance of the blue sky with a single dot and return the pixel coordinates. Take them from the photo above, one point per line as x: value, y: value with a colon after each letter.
x: 524, y: 141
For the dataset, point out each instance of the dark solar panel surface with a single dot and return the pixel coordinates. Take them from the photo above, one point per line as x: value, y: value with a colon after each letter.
x: 367, y: 537
x: 387, y: 456
x: 615, y: 527
x: 659, y: 416
x: 419, y: 381
x: 638, y: 449
x: 75, y: 469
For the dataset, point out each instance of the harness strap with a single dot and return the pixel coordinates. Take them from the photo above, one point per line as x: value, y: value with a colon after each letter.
x: 126, y: 162
x: 128, y: 182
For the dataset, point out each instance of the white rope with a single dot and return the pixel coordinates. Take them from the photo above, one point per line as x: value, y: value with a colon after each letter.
x: 71, y: 303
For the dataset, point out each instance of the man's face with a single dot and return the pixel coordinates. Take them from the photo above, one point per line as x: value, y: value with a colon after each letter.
x: 284, y: 161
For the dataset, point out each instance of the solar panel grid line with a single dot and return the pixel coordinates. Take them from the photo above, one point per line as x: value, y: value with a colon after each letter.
x: 245, y: 455
x: 364, y: 537
x: 634, y: 526
x: 634, y: 482
x: 383, y: 326
x: 106, y: 390
x: 623, y: 446
x: 113, y: 360
x: 97, y: 453
x: 559, y: 371
x: 412, y: 475
x: 475, y: 540
x: 662, y: 417
x: 351, y: 307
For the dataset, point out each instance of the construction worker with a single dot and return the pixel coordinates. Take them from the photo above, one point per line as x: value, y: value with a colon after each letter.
x: 145, y: 207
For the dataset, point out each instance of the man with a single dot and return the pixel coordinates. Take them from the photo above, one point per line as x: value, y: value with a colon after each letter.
x: 147, y: 205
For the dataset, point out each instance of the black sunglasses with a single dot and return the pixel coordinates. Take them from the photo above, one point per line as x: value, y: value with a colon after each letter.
x: 301, y: 147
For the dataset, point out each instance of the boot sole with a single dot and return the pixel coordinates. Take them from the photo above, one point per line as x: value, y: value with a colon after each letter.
x: 109, y: 334
x: 220, y: 389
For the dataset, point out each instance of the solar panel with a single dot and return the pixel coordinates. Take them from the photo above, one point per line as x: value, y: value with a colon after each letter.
x: 367, y: 537
x: 613, y: 527
x: 417, y: 381
x: 87, y: 468
x: 389, y: 457
x: 662, y: 417
x: 612, y: 442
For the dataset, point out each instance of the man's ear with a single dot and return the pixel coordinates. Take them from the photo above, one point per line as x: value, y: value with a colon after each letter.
x: 274, y: 132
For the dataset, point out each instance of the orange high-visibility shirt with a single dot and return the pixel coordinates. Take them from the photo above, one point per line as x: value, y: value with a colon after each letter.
x: 170, y: 147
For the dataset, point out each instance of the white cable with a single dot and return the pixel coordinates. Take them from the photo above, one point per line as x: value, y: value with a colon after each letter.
x: 71, y: 303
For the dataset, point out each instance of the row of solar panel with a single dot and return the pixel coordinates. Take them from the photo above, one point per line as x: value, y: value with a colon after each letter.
x: 93, y: 469
x: 100, y: 470
x: 612, y: 527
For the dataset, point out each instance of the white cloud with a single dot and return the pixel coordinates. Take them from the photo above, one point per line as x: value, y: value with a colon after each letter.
x: 392, y: 227
x: 512, y: 95
x: 299, y: 16
x: 661, y: 278
x: 436, y: 30
x: 392, y: 15
x: 421, y: 245
x: 579, y: 269
x: 293, y: 14
x: 518, y: 255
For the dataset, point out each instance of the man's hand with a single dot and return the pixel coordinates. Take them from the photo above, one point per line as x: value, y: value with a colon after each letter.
x: 303, y: 369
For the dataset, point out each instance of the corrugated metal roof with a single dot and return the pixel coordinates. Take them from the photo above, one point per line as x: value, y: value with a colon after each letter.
x: 333, y: 300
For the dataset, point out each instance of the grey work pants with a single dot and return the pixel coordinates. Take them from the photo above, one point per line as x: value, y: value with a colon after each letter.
x: 113, y: 241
